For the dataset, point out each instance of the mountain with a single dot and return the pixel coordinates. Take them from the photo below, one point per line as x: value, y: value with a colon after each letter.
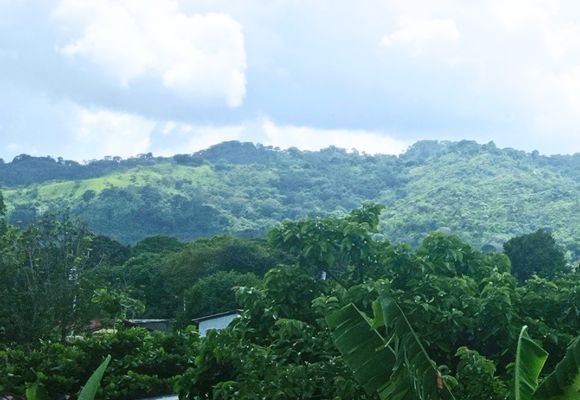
x: 480, y: 192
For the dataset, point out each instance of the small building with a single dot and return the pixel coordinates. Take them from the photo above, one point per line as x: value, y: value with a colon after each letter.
x: 215, y: 321
x: 162, y: 325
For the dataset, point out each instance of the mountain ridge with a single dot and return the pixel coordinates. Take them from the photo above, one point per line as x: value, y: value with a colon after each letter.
x: 483, y: 193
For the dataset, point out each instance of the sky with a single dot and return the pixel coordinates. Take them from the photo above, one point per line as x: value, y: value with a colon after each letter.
x: 83, y: 79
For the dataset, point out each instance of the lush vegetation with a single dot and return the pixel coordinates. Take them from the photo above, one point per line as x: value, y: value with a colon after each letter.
x: 444, y: 303
x: 483, y: 194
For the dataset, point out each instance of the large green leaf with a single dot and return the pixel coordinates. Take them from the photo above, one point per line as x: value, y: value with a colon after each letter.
x: 564, y: 382
x: 414, y: 366
x: 398, y: 368
x: 35, y: 392
x: 89, y: 391
x: 362, y: 347
x: 530, y: 359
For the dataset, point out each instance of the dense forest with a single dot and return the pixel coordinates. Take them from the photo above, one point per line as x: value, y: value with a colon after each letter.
x: 454, y: 314
x: 484, y: 194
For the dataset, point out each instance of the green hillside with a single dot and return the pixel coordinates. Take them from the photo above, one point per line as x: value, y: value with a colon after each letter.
x: 484, y: 194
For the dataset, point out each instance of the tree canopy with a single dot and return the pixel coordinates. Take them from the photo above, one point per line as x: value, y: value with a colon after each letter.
x: 535, y: 253
x: 484, y: 194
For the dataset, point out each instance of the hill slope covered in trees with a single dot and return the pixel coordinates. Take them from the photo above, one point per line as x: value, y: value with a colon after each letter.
x: 480, y: 192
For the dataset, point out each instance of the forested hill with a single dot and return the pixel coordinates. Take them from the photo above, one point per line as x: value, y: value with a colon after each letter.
x: 485, y: 194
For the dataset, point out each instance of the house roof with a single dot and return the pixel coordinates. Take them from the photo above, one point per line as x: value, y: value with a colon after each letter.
x: 218, y: 315
x: 147, y: 321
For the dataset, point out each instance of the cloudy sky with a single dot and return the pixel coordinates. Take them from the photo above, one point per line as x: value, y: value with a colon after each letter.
x: 87, y: 78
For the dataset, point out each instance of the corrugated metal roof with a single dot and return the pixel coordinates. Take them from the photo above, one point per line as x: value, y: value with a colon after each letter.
x: 218, y: 315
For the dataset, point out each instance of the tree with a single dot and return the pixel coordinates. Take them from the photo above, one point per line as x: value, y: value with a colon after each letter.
x: 42, y: 281
x: 535, y: 253
x: 343, y: 248
x: 215, y: 293
x: 158, y: 244
x: 221, y: 253
x: 106, y: 251
x: 2, y: 206
x: 3, y: 225
x: 116, y: 304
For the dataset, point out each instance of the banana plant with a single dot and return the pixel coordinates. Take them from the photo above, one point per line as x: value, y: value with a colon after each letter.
x: 394, y: 365
x: 90, y: 389
x: 562, y: 384
x: 397, y: 367
x: 88, y: 392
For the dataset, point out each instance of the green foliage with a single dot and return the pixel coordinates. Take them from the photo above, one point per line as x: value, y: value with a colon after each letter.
x: 42, y: 280
x: 552, y: 311
x: 340, y: 247
x: 158, y: 244
x: 106, y: 251
x: 363, y: 349
x: 143, y: 364
x: 530, y: 359
x: 476, y: 377
x: 535, y: 253
x: 142, y: 278
x: 481, y: 193
x: 115, y: 304
x: 455, y: 297
x: 208, y: 256
x: 395, y: 366
x: 269, y: 352
x: 214, y: 294
x: 564, y: 382
x: 35, y: 392
x: 89, y: 390
x: 2, y: 207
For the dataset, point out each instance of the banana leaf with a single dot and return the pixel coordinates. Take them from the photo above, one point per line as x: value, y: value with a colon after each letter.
x: 414, y: 365
x: 363, y: 348
x: 530, y: 359
x: 36, y: 392
x: 564, y: 382
x: 398, y: 368
x: 90, y: 389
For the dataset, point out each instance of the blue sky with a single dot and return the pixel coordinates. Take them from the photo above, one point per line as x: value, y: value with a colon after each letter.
x: 87, y: 78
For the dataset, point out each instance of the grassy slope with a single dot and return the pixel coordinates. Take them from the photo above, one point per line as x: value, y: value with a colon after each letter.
x: 69, y: 192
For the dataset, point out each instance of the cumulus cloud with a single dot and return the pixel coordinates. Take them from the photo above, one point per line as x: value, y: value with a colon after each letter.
x: 102, y: 132
x: 198, y: 56
x: 370, y: 75
x: 524, y: 55
x: 178, y: 137
x: 417, y: 34
x: 308, y: 138
x: 173, y: 137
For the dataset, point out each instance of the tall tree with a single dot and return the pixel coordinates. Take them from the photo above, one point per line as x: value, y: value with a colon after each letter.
x: 535, y: 253
x: 41, y: 279
x: 343, y: 248
x: 2, y: 206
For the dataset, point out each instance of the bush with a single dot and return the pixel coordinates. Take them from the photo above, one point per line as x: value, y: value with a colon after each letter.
x: 144, y: 364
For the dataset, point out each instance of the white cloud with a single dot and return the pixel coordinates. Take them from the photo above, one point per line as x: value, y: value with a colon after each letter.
x: 189, y: 138
x: 96, y: 133
x: 507, y: 70
x: 12, y: 147
x: 183, y: 138
x: 308, y: 138
x: 418, y: 33
x: 200, y: 56
x: 523, y: 53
